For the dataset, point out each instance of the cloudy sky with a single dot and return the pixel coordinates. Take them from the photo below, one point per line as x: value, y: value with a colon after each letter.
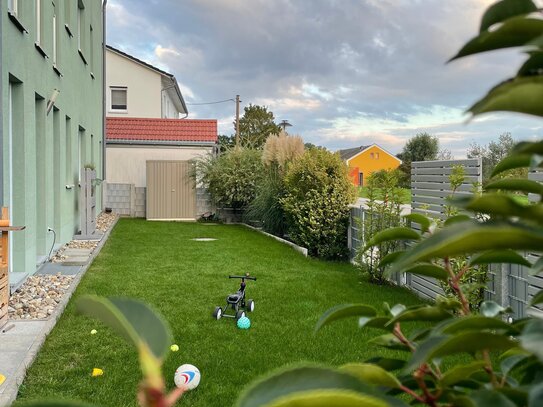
x: 343, y: 72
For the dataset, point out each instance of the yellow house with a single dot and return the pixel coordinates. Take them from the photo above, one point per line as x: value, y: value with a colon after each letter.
x: 364, y: 160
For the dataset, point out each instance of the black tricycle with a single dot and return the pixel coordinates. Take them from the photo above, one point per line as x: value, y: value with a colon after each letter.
x: 236, y: 302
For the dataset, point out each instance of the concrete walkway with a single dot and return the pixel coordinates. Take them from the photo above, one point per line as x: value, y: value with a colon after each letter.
x: 20, y: 340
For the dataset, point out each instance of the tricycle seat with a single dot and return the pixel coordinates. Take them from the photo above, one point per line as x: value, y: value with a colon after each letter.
x: 233, y: 298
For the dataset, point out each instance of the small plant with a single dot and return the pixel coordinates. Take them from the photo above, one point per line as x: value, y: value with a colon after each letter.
x: 383, y: 209
x: 89, y: 166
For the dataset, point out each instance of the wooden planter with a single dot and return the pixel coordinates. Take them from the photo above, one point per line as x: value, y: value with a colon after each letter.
x: 5, y: 228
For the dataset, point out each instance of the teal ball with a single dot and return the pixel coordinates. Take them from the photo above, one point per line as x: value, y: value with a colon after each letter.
x: 244, y: 323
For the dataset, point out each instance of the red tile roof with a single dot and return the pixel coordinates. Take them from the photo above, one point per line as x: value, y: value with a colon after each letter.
x: 148, y: 130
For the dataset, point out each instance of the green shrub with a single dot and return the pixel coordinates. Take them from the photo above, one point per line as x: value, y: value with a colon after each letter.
x: 316, y: 203
x: 232, y: 177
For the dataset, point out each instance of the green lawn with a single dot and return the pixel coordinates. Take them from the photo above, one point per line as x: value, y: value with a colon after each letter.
x: 405, y: 194
x: 184, y: 279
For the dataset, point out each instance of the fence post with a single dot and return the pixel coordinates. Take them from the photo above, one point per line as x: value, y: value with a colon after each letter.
x: 502, y: 284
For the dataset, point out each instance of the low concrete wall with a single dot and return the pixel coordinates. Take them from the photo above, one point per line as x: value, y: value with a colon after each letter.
x: 128, y: 200
x: 299, y: 249
x: 121, y: 199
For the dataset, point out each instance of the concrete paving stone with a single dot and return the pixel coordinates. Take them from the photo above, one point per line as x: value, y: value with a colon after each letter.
x: 55, y: 268
x: 75, y: 261
x: 77, y: 252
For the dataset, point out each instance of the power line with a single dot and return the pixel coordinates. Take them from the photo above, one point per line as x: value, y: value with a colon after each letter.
x: 212, y: 103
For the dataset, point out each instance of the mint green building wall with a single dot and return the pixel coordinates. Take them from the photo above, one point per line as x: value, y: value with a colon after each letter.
x: 43, y: 153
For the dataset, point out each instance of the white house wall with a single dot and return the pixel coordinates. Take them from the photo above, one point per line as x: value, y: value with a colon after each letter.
x: 127, y: 164
x: 168, y: 108
x: 144, y: 87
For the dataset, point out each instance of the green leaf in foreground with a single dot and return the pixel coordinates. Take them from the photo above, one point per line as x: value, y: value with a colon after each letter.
x: 371, y: 374
x: 505, y: 9
x: 520, y: 160
x: 499, y: 256
x: 428, y: 270
x: 391, y: 258
x: 309, y: 386
x: 484, y: 398
x: 465, y: 342
x: 501, y: 205
x: 422, y: 313
x: 462, y: 238
x: 345, y: 311
x: 397, y: 233
x: 531, y: 338
x: 131, y: 319
x: 516, y: 95
x: 514, y: 32
x: 492, y: 309
x: 475, y: 323
x: 459, y: 373
x: 537, y: 299
x: 422, y: 220
x: 524, y: 185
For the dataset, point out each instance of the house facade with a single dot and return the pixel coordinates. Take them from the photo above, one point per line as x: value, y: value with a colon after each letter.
x: 135, y: 88
x: 51, y: 121
x: 364, y: 160
x: 149, y: 148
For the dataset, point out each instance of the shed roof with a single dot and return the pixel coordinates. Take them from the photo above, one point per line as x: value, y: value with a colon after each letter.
x: 179, y: 131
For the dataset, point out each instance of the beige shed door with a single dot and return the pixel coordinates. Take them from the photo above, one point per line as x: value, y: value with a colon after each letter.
x: 170, y: 190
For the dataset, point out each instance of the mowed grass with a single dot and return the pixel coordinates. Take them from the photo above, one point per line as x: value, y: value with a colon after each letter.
x: 184, y: 280
x: 405, y: 194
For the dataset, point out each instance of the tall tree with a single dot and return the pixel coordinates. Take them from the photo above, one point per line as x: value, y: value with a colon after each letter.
x: 493, y: 153
x: 256, y: 125
x: 422, y: 147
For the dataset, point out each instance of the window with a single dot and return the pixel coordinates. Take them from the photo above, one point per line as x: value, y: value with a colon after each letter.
x: 119, y: 98
x: 376, y: 156
x: 55, y: 60
x: 81, y: 152
x: 92, y: 51
x: 69, y: 153
x: 361, y: 179
x: 13, y: 7
x: 372, y: 156
x: 68, y: 16
x: 81, y: 32
x: 38, y: 22
x: 15, y: 13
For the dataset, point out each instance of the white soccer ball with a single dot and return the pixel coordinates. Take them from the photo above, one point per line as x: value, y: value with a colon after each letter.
x: 187, y: 376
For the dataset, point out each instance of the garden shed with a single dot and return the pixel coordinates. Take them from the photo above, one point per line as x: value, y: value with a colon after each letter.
x: 162, y: 149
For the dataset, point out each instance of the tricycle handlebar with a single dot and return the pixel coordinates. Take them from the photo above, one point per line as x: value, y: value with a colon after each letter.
x: 246, y: 277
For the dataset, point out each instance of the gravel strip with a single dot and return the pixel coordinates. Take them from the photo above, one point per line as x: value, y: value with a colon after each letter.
x: 38, y: 297
x: 40, y: 294
x: 104, y: 221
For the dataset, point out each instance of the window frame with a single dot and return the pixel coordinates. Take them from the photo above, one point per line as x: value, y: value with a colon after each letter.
x: 111, y: 108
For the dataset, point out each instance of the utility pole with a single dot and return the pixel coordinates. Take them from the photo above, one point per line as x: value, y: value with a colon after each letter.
x: 237, y: 121
x: 284, y: 124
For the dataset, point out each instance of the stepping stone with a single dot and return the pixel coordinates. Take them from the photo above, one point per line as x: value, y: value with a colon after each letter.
x: 75, y: 261
x: 77, y: 252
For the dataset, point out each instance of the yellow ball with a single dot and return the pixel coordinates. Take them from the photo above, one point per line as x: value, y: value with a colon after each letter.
x: 174, y: 348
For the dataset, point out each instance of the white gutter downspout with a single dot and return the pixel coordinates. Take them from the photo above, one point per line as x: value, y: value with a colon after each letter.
x: 104, y: 99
